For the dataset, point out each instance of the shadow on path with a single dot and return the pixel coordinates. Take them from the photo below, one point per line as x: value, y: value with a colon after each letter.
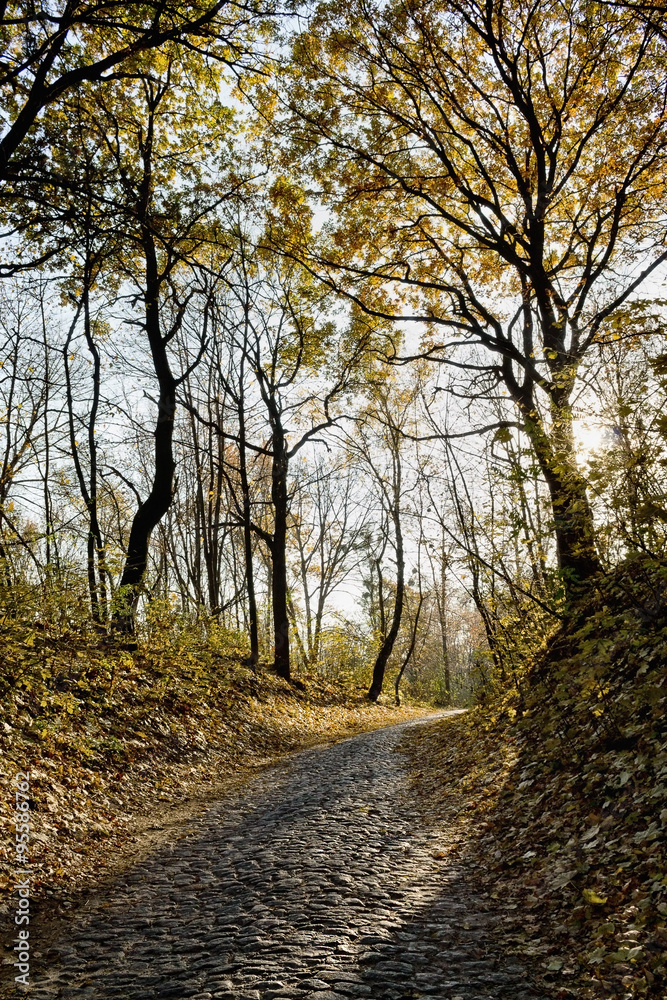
x: 316, y: 881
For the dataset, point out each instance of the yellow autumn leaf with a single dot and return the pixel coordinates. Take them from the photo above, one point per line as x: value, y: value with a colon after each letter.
x: 591, y: 896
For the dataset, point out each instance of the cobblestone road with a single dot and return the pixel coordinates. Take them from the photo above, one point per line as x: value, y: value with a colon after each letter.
x: 315, y: 882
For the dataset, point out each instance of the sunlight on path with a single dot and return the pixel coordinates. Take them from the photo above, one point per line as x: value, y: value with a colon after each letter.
x: 316, y: 881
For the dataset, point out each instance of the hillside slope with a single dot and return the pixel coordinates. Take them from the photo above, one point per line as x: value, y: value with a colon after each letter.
x: 560, y: 796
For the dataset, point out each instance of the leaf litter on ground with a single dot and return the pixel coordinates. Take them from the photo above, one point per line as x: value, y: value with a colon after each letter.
x: 125, y: 748
x: 559, y: 795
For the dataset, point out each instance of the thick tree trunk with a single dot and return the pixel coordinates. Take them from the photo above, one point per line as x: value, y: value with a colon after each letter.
x: 574, y: 529
x: 573, y: 519
x: 387, y: 646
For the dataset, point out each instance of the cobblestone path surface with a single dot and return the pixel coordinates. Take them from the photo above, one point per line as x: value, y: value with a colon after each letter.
x: 315, y: 882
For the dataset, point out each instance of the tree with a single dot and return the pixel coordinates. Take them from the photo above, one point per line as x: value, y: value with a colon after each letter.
x: 326, y: 530
x: 298, y: 367
x: 412, y: 642
x: 96, y: 97
x: 28, y: 428
x: 496, y: 172
x: 49, y: 52
x: 81, y: 285
x: 387, y: 414
x: 216, y: 399
x: 156, y: 229
x: 204, y: 479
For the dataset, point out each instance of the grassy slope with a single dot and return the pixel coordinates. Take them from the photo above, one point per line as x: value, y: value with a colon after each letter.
x: 562, y: 795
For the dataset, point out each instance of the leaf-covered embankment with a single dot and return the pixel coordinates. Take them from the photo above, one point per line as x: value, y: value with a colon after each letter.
x: 561, y: 796
x: 124, y: 746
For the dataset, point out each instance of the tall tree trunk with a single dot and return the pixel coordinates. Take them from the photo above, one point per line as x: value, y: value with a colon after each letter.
x: 279, y: 500
x: 96, y: 541
x: 575, y: 532
x: 382, y: 617
x: 253, y: 626
x: 442, y: 615
x: 95, y: 551
x: 51, y: 553
x: 410, y: 652
x: 157, y: 503
x: 215, y: 449
x: 573, y: 519
x: 81, y: 479
x: 387, y: 646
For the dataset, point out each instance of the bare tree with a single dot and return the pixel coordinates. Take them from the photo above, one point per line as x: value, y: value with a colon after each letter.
x: 326, y: 532
x: 297, y: 367
x: 386, y: 415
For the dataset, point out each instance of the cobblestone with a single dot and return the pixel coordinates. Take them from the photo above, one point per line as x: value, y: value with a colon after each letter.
x: 315, y: 882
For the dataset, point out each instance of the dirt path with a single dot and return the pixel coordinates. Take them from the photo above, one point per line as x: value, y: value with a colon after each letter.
x: 316, y: 880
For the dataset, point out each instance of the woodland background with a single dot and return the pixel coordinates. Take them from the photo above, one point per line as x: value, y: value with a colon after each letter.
x: 334, y: 330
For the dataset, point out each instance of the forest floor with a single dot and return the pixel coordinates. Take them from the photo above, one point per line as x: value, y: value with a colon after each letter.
x: 557, y: 793
x: 113, y: 781
x: 581, y: 889
x: 315, y: 880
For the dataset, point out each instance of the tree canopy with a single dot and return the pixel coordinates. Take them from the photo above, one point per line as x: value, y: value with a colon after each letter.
x: 496, y: 174
x: 316, y: 310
